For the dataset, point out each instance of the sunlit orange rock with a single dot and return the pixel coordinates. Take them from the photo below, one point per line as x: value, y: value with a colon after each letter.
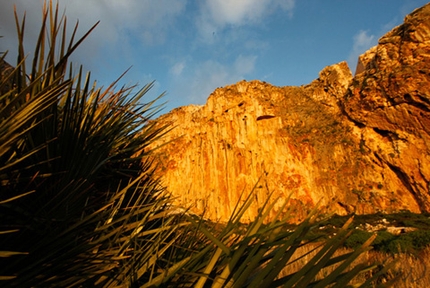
x: 355, y: 144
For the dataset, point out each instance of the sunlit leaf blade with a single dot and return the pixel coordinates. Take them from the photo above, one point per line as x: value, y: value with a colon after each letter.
x: 4, y: 278
x: 11, y: 253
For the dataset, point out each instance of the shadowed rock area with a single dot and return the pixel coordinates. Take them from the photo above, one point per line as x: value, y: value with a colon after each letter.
x: 353, y: 143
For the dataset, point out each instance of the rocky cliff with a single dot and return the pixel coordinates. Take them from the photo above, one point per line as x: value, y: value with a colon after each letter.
x: 353, y: 143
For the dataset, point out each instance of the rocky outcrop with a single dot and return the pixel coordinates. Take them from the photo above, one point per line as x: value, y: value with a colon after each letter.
x: 354, y: 144
x: 390, y: 101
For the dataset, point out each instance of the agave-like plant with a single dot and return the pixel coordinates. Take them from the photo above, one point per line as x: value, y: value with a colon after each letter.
x: 77, y: 184
x: 81, y: 204
x: 260, y: 254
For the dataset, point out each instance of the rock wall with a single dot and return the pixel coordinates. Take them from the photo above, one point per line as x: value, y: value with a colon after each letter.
x: 390, y: 100
x: 355, y: 144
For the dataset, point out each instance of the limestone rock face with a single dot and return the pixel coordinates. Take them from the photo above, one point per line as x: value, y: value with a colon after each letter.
x: 355, y: 144
x: 390, y: 101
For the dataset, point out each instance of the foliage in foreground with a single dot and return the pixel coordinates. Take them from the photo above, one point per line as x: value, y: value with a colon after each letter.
x: 81, y: 206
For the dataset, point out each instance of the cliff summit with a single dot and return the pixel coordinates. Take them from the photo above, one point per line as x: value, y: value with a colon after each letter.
x: 353, y: 143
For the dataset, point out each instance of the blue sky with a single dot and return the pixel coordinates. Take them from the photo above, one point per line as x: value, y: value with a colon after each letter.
x: 192, y: 47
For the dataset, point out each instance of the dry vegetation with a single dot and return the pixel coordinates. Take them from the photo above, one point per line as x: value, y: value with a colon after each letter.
x: 409, y: 270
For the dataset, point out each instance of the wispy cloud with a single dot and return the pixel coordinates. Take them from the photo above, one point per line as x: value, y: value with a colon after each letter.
x: 244, y: 65
x: 211, y: 74
x: 124, y: 25
x: 216, y: 15
x: 177, y: 68
x: 197, y: 80
x: 223, y: 12
x: 362, y: 41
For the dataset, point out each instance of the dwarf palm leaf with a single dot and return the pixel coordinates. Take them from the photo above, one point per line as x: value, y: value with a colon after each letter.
x: 259, y: 254
x: 77, y: 184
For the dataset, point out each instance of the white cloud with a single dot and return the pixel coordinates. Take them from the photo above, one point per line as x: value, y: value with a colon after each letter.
x: 177, y: 68
x: 287, y: 5
x: 215, y: 15
x: 244, y: 64
x: 212, y: 74
x: 145, y: 18
x: 237, y: 12
x: 206, y: 77
x: 362, y: 41
x: 124, y: 24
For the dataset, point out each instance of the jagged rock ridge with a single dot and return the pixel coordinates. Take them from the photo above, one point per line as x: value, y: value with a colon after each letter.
x: 356, y: 143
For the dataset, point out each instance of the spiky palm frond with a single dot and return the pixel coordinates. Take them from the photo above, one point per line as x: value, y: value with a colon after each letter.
x: 260, y: 254
x: 73, y: 156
